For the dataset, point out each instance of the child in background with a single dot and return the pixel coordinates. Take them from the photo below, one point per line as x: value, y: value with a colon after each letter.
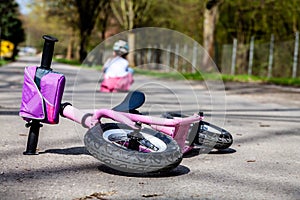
x: 117, y: 74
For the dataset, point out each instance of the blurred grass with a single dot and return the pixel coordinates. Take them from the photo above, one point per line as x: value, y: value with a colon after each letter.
x: 274, y: 80
x: 203, y: 76
x: 3, y: 62
x: 226, y: 78
x: 66, y: 61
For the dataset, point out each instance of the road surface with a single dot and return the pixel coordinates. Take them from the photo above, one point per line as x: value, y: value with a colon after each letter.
x: 263, y: 162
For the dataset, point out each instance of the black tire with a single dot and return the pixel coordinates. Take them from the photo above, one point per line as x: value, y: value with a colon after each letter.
x: 210, y: 135
x: 127, y: 160
x: 207, y: 135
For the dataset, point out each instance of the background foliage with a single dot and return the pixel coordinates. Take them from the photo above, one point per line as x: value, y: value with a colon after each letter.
x: 10, y: 24
x: 81, y: 25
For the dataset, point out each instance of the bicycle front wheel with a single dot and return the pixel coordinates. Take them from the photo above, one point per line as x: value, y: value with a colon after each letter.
x: 109, y: 143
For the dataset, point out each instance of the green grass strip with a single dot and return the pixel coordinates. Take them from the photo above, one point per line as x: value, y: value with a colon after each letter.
x: 198, y: 76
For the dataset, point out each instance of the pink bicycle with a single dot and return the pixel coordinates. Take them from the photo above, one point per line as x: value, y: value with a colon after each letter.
x: 130, y: 142
x: 139, y: 143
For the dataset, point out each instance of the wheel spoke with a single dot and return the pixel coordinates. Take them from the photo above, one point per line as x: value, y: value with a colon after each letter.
x: 118, y: 139
x: 144, y: 143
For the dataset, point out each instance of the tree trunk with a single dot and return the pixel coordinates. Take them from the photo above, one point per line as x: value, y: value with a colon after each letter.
x: 88, y: 13
x: 210, y: 19
x: 83, y: 43
x: 131, y: 41
x: 15, y: 52
x: 242, y: 58
x: 69, y: 55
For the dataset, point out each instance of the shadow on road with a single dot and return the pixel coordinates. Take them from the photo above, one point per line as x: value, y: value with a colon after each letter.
x: 267, y: 135
x: 68, y: 151
x: 197, y: 151
x: 45, y: 173
x: 29, y: 61
x: 9, y: 112
x: 178, y: 171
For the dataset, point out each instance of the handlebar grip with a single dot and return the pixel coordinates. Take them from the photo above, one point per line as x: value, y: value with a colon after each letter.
x: 48, y: 51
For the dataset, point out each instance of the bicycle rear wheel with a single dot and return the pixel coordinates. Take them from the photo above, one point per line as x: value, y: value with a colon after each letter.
x: 210, y: 135
x: 206, y: 134
x: 109, y: 143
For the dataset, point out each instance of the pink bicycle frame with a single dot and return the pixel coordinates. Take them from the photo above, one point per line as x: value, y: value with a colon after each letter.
x: 177, y: 128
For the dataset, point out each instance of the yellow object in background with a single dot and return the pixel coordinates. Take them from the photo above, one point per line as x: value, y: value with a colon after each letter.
x: 6, y: 49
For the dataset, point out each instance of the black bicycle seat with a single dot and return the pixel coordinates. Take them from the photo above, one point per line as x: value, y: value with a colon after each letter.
x: 132, y: 101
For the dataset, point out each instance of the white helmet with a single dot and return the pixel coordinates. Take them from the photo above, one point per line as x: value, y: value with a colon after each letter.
x: 121, y: 47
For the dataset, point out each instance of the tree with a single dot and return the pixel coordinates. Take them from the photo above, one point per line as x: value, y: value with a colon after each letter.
x: 130, y: 14
x: 88, y: 11
x: 211, y: 14
x: 242, y: 20
x: 65, y: 11
x: 82, y: 16
x: 11, y: 25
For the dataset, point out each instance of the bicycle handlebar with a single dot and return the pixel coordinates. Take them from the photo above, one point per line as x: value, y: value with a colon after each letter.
x: 48, y: 51
x: 88, y: 120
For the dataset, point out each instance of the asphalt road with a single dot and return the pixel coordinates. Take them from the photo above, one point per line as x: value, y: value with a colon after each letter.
x: 263, y: 162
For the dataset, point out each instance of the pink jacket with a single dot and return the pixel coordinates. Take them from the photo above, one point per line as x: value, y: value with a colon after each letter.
x: 116, y: 84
